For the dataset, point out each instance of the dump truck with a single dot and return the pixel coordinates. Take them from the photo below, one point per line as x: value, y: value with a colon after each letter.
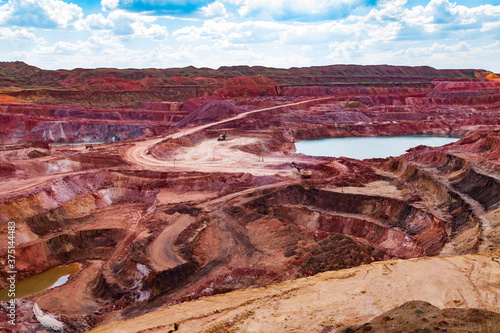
x: 304, y: 173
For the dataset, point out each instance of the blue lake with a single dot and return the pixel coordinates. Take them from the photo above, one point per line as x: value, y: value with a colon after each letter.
x: 59, y: 144
x: 369, y: 147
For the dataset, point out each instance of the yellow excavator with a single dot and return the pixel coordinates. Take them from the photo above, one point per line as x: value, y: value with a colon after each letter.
x: 304, y: 173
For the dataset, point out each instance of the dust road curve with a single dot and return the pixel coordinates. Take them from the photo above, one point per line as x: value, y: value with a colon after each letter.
x: 138, y: 153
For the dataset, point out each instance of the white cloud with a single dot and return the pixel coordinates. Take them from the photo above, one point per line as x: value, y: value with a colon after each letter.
x: 280, y: 33
x: 40, y: 13
x: 234, y: 2
x: 126, y: 24
x: 388, y: 10
x: 20, y: 34
x: 487, y: 26
x: 154, y: 31
x: 286, y: 33
x: 108, y: 5
x: 434, y: 49
x: 214, y: 9
x: 4, y: 13
x: 346, y: 52
x: 202, y: 47
x: 384, y: 34
x: 105, y: 40
x: 444, y: 12
x: 64, y: 48
x: 323, y: 33
x: 440, y: 55
x: 175, y: 8
x: 245, y: 32
x: 298, y: 9
x: 209, y: 30
x: 93, y: 22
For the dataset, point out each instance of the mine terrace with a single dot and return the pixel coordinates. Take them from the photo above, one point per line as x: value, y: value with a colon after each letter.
x: 180, y: 203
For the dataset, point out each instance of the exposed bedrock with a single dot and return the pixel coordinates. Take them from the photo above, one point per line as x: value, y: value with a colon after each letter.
x: 21, y: 128
x: 107, y: 98
x: 478, y: 149
x: 479, y: 186
x: 100, y: 215
x: 462, y: 220
x: 222, y: 183
x: 66, y: 248
x: 170, y: 279
x: 68, y: 112
x: 23, y: 166
x: 98, y: 189
x: 468, y: 92
x: 74, y: 210
x: 209, y: 112
x: 389, y: 225
x: 352, y: 111
x: 459, y: 183
x: 387, y: 240
x: 383, y: 128
x: 357, y: 91
x: 111, y: 92
x: 54, y: 224
x: 331, y: 118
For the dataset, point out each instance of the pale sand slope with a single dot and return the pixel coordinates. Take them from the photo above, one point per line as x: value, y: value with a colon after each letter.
x: 334, y: 298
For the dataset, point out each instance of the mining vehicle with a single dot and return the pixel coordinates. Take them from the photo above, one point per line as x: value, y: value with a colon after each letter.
x: 304, y: 173
x: 222, y: 137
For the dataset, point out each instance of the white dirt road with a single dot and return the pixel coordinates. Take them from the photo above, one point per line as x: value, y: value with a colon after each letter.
x: 212, y: 155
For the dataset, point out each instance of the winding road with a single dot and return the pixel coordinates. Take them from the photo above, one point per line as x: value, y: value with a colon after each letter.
x: 210, y: 152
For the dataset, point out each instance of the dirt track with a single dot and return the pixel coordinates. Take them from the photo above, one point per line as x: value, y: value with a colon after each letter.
x: 211, y: 155
x: 162, y: 253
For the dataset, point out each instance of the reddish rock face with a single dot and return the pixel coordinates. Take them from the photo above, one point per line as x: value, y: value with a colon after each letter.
x: 192, y: 104
x: 21, y: 128
x: 172, y: 214
x: 209, y: 112
x: 417, y: 100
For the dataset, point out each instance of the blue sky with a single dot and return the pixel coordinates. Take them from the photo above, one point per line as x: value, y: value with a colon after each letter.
x: 53, y: 34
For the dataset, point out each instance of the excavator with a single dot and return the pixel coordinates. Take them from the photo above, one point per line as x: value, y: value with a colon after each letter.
x: 304, y: 173
x: 222, y: 137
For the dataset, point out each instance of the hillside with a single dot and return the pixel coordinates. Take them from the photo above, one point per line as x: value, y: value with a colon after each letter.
x: 120, y: 174
x: 109, y: 87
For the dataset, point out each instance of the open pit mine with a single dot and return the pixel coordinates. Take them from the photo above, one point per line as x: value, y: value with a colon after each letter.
x: 165, y: 200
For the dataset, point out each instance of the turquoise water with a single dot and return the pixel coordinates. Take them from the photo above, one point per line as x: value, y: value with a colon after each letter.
x: 58, y: 144
x: 369, y: 147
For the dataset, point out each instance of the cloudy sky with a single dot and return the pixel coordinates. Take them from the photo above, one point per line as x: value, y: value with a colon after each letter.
x: 54, y: 34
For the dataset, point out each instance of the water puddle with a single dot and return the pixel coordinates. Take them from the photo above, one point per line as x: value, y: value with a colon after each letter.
x: 52, y: 278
